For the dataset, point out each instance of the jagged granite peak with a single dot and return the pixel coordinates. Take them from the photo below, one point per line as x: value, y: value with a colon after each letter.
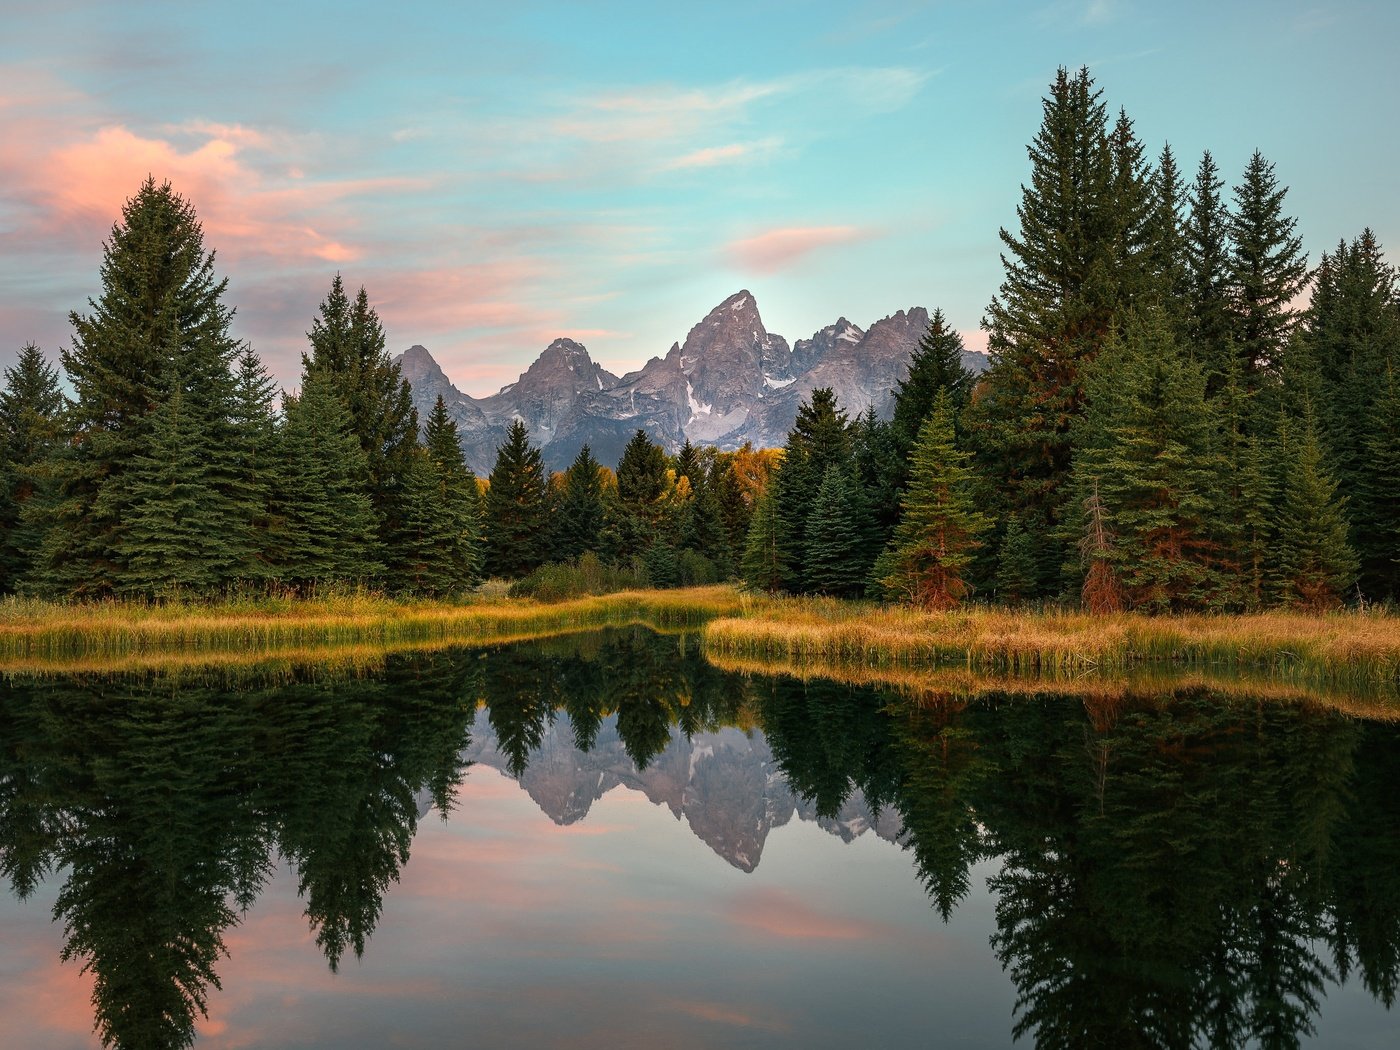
x: 730, y: 381
x: 726, y: 785
x: 808, y: 353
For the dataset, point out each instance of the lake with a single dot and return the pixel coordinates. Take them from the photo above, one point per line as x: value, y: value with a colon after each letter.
x: 603, y: 840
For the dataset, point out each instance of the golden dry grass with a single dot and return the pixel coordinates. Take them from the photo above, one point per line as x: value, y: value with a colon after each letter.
x: 43, y: 636
x: 1345, y: 650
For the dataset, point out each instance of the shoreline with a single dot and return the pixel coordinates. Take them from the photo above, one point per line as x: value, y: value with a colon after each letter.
x: 1348, y: 651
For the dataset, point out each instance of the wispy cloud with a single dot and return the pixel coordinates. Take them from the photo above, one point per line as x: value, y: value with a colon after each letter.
x: 778, y: 249
x: 714, y: 156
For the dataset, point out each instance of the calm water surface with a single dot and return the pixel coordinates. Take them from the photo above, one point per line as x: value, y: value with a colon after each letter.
x: 603, y: 841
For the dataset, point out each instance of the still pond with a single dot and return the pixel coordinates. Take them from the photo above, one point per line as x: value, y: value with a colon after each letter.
x: 605, y: 841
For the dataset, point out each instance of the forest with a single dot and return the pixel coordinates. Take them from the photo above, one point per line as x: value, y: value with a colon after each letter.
x: 1180, y: 415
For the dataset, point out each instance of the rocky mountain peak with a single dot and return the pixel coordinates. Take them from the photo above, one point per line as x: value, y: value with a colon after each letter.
x: 417, y: 366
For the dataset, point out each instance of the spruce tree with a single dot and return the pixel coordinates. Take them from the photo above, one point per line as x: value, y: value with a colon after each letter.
x: 1210, y: 328
x: 328, y: 530
x: 1016, y: 570
x: 820, y: 438
x: 641, y: 478
x: 459, y: 494
x: 1267, y: 270
x: 880, y: 467
x: 348, y: 346
x: 31, y: 424
x: 1351, y: 340
x: 171, y: 543
x: 1378, y: 537
x: 762, y: 565
x: 517, y: 514
x: 1245, y: 524
x: 939, y: 525
x: 835, y: 562
x: 579, y: 519
x: 1146, y: 452
x: 935, y: 365
x: 1067, y: 271
x: 427, y: 542
x: 1315, y: 564
x: 1166, y: 247
x: 256, y: 465
x: 1133, y: 219
x: 160, y: 303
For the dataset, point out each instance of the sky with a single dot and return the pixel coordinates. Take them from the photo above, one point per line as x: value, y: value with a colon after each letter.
x: 499, y: 175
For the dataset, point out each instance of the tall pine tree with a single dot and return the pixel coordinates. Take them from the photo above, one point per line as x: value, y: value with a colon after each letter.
x: 939, y: 527
x: 31, y: 428
x: 517, y: 514
x: 160, y: 304
x: 1267, y: 270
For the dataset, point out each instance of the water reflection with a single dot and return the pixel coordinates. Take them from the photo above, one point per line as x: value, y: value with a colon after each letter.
x: 1173, y: 869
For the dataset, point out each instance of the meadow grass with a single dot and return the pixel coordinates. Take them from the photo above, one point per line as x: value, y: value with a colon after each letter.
x: 36, y: 636
x: 1345, y: 650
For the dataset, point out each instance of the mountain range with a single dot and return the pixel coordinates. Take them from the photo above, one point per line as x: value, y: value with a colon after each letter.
x: 731, y: 381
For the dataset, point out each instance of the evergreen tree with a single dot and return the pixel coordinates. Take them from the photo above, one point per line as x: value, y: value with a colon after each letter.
x: 328, y: 530
x: 1315, y: 564
x: 171, y: 543
x: 1209, y: 323
x: 580, y: 517
x: 1133, y: 219
x: 348, y: 346
x: 935, y: 365
x: 255, y: 474
x: 820, y: 438
x: 1166, y: 246
x: 939, y: 526
x: 641, y: 478
x: 1147, y: 454
x: 834, y: 561
x: 517, y: 514
x: 1267, y: 270
x: 1378, y: 537
x: 1245, y: 525
x: 459, y: 494
x: 1069, y: 272
x: 881, y: 468
x: 428, y: 542
x: 1351, y: 339
x: 31, y: 411
x: 160, y: 303
x: 762, y: 565
x: 1016, y: 571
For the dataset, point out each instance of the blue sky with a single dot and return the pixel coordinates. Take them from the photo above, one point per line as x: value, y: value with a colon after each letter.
x: 498, y: 175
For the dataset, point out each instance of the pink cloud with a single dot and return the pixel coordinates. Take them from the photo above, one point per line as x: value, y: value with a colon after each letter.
x: 781, y: 248
x: 714, y: 156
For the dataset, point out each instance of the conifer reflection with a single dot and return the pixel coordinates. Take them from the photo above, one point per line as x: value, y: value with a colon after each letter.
x: 162, y: 801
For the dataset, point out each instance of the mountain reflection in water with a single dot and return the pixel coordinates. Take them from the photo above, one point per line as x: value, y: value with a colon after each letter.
x: 1170, y: 869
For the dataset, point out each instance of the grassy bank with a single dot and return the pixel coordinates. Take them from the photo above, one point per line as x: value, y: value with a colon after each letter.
x: 1353, y: 651
x: 1343, y: 652
x: 125, y: 636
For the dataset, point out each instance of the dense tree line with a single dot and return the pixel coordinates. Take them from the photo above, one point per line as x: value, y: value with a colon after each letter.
x: 1162, y: 427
